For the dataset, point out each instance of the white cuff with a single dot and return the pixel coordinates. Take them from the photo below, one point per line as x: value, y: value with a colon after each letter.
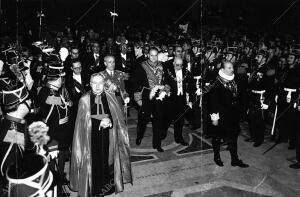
x: 264, y: 106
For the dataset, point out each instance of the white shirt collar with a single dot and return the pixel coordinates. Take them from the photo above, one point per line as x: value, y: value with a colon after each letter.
x: 110, y: 72
x: 96, y: 55
x: 224, y: 76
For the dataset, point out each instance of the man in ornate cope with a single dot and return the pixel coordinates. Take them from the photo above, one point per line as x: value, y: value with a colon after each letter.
x: 100, y: 162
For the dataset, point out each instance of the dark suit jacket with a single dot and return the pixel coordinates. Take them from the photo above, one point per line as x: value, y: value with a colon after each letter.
x: 90, y: 64
x: 129, y: 63
x: 83, y: 87
x: 187, y: 86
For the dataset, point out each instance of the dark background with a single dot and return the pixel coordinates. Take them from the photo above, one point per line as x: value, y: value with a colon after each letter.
x: 253, y: 14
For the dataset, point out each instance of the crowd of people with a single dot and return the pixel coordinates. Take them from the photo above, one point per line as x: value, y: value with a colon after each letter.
x: 83, y: 86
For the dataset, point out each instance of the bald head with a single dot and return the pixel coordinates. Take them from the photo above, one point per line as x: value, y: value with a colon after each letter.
x: 109, y: 62
x: 178, y: 62
x: 228, y: 68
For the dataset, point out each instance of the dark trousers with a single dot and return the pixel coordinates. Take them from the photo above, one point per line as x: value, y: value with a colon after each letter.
x: 257, y: 123
x: 194, y: 115
x: 205, y: 116
x: 156, y: 109
x: 176, y: 106
x: 298, y: 138
x: 232, y: 146
x: 288, y: 124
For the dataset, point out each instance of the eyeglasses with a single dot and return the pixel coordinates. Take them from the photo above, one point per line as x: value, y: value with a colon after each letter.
x: 178, y: 65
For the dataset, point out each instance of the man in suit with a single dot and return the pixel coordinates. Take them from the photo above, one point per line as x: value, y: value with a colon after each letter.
x: 181, y: 88
x: 77, y: 83
x: 74, y: 54
x: 124, y: 60
x: 194, y: 66
x: 177, y: 53
x: 94, y: 59
x: 125, y: 63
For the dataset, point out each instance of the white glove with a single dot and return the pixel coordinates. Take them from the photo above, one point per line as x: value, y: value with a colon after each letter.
x: 199, y: 92
x: 105, y: 122
x: 126, y: 100
x: 1, y: 66
x: 161, y: 96
x: 276, y: 98
x: 153, y: 92
x: 264, y: 106
x: 27, y: 63
x: 214, y: 117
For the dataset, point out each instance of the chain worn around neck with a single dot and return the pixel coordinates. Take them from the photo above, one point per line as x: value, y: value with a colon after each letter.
x: 175, y: 78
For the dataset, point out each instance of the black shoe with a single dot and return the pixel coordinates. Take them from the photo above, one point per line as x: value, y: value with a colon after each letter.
x: 193, y: 128
x: 138, y: 141
x: 239, y: 163
x: 248, y: 139
x: 159, y: 149
x: 295, y: 165
x: 292, y: 147
x: 219, y: 162
x: 183, y: 143
x: 65, y: 180
x: 257, y: 144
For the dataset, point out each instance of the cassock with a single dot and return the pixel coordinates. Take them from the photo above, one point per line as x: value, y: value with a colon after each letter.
x: 100, y: 161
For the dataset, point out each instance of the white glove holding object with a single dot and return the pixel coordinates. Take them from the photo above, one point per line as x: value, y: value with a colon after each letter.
x: 264, y: 106
x: 105, y: 122
x: 199, y: 92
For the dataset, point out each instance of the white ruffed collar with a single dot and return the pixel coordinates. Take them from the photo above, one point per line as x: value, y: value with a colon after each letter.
x: 224, y: 76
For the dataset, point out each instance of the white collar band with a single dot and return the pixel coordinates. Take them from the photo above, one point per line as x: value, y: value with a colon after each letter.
x: 224, y: 76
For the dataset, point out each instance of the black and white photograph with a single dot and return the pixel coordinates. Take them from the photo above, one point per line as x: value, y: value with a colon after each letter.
x: 149, y: 98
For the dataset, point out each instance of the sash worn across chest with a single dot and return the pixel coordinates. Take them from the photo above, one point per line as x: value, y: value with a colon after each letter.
x: 154, y: 75
x: 78, y: 86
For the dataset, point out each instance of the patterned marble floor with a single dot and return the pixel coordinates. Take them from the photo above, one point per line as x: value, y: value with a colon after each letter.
x: 190, y: 171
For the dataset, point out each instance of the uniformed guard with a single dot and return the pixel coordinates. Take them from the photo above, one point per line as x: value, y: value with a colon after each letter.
x: 54, y: 109
x: 259, y: 99
x: 287, y: 94
x: 15, y: 104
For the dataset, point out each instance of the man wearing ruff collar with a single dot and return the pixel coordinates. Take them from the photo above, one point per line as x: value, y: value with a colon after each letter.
x: 223, y: 110
x: 100, y: 162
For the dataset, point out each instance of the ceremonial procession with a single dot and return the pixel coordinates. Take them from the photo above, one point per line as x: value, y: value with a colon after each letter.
x: 190, y: 108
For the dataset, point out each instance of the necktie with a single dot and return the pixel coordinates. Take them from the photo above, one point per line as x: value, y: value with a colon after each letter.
x: 97, y: 59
